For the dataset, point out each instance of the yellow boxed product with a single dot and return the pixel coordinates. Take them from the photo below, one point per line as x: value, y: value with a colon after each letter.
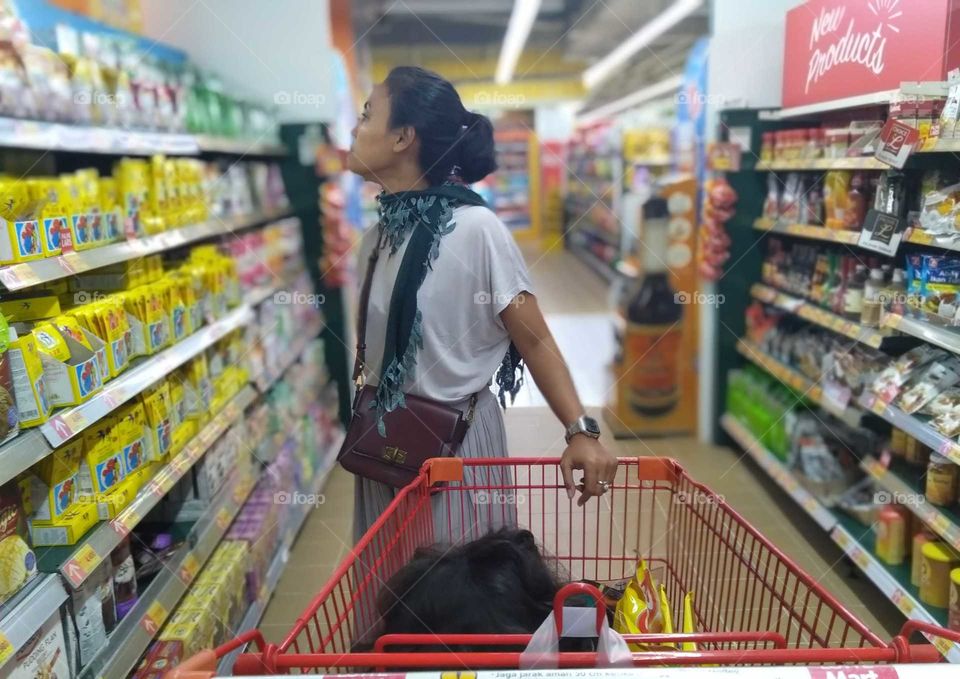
x: 157, y: 408
x: 20, y: 233
x: 215, y: 599
x: 29, y: 385
x: 131, y: 177
x: 52, y: 215
x: 193, y: 627
x: 107, y: 319
x: 132, y: 435
x: 67, y: 529
x: 198, y: 389
x: 102, y: 468
x: 69, y: 326
x: 149, y: 319
x: 88, y: 182
x: 79, y: 223
x: 75, y: 379
x: 111, y: 503
x: 110, y: 208
x: 51, y: 485
x: 30, y: 308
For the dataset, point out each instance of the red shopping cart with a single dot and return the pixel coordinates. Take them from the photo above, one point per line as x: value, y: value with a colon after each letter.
x: 752, y: 604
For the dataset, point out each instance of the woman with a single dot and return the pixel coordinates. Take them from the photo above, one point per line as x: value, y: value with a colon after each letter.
x: 474, y: 310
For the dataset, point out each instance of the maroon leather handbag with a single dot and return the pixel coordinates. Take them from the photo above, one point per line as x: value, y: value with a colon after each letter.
x: 423, y: 429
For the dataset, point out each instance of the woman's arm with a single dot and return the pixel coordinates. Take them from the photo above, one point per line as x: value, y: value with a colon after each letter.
x: 529, y: 332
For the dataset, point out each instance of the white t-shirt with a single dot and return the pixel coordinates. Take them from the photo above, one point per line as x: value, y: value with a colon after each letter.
x: 477, y: 274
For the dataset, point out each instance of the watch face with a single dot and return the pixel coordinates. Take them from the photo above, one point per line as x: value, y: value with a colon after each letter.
x: 591, y: 425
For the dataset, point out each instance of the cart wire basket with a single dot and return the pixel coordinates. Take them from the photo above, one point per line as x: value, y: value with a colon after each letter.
x: 752, y: 604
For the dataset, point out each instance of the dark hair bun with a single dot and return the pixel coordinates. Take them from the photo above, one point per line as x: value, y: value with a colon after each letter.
x: 477, y: 157
x: 450, y: 136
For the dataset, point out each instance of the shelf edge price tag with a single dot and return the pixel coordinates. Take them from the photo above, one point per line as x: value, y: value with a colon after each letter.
x: 154, y: 618
x: 190, y: 568
x: 81, y: 565
x: 223, y: 518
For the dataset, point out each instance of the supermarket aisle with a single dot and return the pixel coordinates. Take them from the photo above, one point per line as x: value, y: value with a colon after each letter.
x: 576, y: 304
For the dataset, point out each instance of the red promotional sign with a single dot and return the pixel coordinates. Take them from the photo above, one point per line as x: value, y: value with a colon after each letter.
x: 844, y: 48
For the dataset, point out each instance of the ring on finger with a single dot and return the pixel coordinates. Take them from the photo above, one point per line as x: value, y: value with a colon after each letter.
x: 604, y: 485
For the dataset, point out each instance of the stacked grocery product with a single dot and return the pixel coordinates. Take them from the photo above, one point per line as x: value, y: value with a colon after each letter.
x: 104, y: 78
x: 50, y: 216
x: 594, y: 187
x: 290, y: 432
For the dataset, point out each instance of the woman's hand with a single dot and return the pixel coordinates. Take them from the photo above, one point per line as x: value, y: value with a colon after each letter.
x: 597, y: 463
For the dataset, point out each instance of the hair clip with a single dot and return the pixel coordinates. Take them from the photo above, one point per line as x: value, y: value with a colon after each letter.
x: 455, y: 171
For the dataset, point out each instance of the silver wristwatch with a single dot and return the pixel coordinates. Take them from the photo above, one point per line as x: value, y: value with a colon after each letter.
x: 583, y: 425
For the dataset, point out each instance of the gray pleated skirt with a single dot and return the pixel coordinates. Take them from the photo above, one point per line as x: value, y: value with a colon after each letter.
x: 463, y: 520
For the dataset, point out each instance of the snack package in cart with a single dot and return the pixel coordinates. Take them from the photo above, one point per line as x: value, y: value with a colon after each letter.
x: 639, y: 610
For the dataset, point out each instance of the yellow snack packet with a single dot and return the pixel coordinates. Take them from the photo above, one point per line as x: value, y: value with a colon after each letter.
x: 689, y: 622
x: 639, y: 610
x: 50, y: 341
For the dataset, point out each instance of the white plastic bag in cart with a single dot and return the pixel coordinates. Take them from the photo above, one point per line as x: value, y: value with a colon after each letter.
x: 581, y: 623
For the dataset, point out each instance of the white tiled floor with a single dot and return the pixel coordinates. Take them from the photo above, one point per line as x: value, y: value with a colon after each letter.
x: 577, y: 307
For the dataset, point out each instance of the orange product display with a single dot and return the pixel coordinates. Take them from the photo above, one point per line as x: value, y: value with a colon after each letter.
x: 655, y: 373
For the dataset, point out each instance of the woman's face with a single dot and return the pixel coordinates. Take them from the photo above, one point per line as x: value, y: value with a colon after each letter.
x: 373, y: 152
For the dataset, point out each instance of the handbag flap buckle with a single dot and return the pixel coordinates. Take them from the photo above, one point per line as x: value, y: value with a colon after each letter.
x: 394, y: 454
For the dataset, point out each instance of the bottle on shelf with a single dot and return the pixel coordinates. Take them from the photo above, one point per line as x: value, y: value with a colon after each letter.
x: 853, y: 294
x: 654, y: 323
x: 870, y: 315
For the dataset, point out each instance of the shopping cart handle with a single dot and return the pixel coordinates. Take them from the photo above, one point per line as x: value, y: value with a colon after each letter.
x: 573, y: 589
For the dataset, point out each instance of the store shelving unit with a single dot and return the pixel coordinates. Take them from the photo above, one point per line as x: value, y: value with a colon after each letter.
x: 72, y: 138
x: 27, y: 611
x: 77, y: 562
x: 807, y: 388
x: 68, y: 422
x: 893, y: 581
x: 817, y: 315
x: 854, y: 539
x: 33, y: 445
x: 924, y: 325
x: 778, y: 472
x: 266, y: 379
x: 905, y: 482
x: 850, y: 163
x: 913, y: 426
x: 809, y: 231
x: 256, y: 610
x: 139, y: 627
x: 26, y: 274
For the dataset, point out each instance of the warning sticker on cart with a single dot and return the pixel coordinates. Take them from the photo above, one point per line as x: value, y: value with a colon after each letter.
x: 854, y: 672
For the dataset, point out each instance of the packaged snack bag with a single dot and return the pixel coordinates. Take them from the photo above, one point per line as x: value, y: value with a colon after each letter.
x: 17, y: 561
x: 639, y: 611
x: 689, y: 622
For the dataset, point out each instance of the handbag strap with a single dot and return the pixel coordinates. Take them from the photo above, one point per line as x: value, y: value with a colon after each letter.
x: 359, y: 362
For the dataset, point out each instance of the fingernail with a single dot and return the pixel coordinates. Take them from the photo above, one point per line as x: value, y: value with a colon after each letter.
x: 570, y: 493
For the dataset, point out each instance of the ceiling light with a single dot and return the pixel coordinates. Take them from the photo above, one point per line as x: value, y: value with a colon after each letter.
x: 641, y: 96
x: 649, y: 32
x: 518, y: 30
